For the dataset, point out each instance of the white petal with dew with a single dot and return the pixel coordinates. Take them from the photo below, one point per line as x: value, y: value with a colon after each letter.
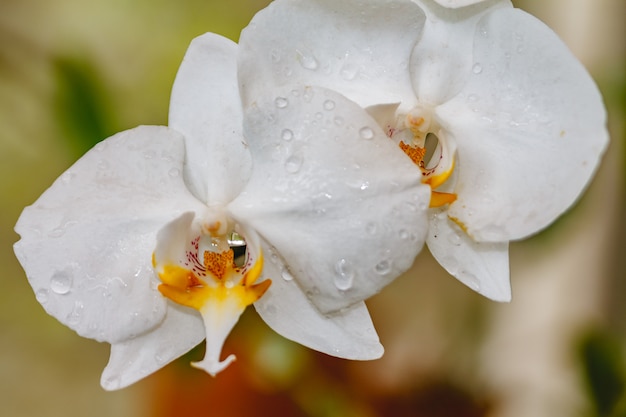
x: 205, y: 107
x: 360, y: 51
x: 530, y: 128
x: 87, y: 242
x: 136, y: 358
x: 348, y: 334
x: 483, y: 267
x: 336, y: 197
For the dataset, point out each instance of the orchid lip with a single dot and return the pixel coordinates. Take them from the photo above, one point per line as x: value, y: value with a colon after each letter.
x: 414, y: 132
x: 197, y: 269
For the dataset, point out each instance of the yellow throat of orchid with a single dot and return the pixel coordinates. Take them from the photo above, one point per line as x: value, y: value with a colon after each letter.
x: 435, y: 173
x: 209, y: 280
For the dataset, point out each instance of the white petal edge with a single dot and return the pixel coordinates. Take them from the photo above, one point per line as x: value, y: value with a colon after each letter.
x: 530, y: 127
x: 205, y: 107
x: 336, y: 197
x: 134, y: 359
x: 361, y: 51
x: 483, y: 267
x: 86, y: 244
x: 349, y: 334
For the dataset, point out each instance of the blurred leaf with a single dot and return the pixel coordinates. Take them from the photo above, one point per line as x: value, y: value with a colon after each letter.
x: 603, y: 370
x: 80, y: 105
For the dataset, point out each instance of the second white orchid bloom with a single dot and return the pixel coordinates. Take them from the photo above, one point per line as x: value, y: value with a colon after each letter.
x: 515, y: 123
x: 135, y: 244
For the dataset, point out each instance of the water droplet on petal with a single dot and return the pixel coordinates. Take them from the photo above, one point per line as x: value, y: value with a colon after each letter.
x: 349, y: 72
x: 366, y: 133
x: 477, y: 68
x: 281, y: 102
x: 67, y: 177
x: 286, y: 274
x: 338, y: 120
x: 42, y: 296
x: 293, y: 164
x: 159, y: 360
x: 76, y: 314
x: 404, y: 234
x: 329, y: 105
x: 149, y: 154
x: 61, y: 282
x: 100, y: 146
x: 345, y: 275
x: 308, y: 62
x: 383, y: 267
x: 286, y: 135
x: 174, y: 172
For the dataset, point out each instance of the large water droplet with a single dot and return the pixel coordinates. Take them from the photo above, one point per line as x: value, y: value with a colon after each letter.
x: 61, y: 282
x: 286, y: 274
x: 281, y: 102
x: 383, y: 267
x: 286, y: 135
x: 329, y: 105
x: 366, y: 133
x: 477, y: 68
x: 345, y: 275
x: 293, y: 164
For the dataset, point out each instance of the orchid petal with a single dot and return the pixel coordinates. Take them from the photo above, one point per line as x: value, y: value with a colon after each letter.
x: 136, y: 358
x: 370, y: 66
x: 336, y: 197
x: 484, y: 267
x: 87, y: 242
x: 285, y: 308
x: 205, y: 107
x: 442, y: 60
x: 454, y: 4
x: 530, y: 129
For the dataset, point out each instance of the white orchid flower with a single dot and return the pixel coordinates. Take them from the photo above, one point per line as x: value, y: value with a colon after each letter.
x: 134, y: 244
x: 516, y: 124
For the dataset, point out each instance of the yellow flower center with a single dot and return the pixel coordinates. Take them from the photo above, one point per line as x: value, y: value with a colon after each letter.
x: 435, y: 173
x: 208, y: 279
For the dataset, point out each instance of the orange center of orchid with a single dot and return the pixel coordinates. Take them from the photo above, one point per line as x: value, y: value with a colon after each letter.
x: 208, y: 279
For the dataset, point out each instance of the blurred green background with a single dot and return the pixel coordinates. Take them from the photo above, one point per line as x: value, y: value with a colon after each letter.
x: 74, y: 72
